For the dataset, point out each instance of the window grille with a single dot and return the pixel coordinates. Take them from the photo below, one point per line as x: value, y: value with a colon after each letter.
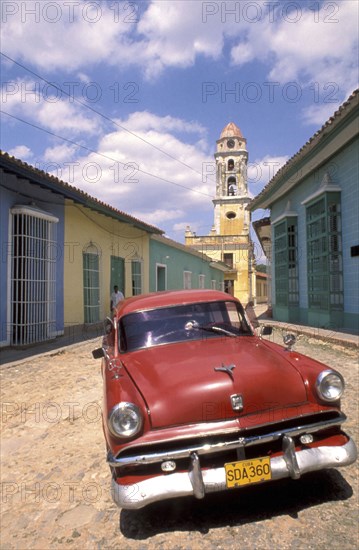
x: 91, y: 273
x: 136, y: 267
x: 325, y: 263
x: 187, y: 280
x: 33, y: 275
x: 201, y: 281
x: 286, y: 263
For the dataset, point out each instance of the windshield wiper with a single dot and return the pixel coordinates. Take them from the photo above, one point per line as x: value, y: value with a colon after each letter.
x: 220, y: 330
x: 210, y: 328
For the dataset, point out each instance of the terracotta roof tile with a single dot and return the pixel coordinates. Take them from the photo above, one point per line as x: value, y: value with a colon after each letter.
x: 231, y: 130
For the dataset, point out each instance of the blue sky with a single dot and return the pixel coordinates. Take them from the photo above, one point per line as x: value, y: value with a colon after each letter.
x: 143, y: 90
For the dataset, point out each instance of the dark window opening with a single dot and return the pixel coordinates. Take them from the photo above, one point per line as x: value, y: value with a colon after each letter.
x: 228, y: 259
x: 230, y: 215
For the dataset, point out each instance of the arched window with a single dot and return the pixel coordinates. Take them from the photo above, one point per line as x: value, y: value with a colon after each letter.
x: 230, y: 165
x: 231, y: 186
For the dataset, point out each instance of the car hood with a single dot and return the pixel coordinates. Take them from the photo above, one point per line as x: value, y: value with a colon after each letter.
x: 180, y: 385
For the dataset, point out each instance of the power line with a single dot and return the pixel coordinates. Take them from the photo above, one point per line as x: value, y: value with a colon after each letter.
x: 42, y: 201
x: 102, y: 154
x: 98, y: 112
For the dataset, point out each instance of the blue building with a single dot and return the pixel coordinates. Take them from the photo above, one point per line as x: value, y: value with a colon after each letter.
x: 314, y: 217
x: 31, y: 271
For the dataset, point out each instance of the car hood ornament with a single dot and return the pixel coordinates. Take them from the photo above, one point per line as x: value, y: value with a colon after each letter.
x: 228, y: 370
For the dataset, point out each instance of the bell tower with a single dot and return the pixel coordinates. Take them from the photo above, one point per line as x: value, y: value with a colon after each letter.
x: 230, y: 215
x: 229, y: 240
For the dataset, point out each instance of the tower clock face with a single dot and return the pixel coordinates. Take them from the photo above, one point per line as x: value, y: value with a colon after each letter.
x: 230, y: 143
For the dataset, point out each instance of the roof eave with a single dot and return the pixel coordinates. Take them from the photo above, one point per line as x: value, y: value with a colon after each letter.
x: 288, y: 176
x: 62, y: 188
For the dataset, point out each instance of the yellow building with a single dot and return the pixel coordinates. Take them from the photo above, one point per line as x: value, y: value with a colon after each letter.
x: 101, y: 251
x: 229, y: 240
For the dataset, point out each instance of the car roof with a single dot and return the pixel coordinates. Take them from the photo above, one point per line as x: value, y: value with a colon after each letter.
x: 172, y: 298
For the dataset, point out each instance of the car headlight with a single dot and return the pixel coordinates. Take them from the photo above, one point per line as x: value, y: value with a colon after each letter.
x: 125, y: 420
x: 330, y: 385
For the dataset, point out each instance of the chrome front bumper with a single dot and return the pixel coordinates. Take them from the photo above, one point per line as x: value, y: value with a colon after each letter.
x: 197, y: 482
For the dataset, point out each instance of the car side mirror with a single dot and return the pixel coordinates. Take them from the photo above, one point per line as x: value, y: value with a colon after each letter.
x: 289, y: 340
x: 266, y: 330
x: 98, y: 353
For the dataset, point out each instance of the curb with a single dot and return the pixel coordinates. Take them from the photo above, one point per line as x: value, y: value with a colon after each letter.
x: 55, y: 351
x: 324, y: 335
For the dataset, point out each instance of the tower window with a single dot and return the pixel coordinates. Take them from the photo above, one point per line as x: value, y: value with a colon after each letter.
x: 231, y: 164
x: 230, y: 215
x: 231, y: 186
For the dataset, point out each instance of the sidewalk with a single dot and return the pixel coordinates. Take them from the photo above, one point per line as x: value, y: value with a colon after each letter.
x: 340, y: 337
x: 73, y: 338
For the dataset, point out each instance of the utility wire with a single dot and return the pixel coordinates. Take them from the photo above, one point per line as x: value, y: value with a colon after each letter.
x: 98, y: 112
x: 102, y: 154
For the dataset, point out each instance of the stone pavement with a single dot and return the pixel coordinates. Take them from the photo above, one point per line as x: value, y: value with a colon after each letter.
x: 56, y: 484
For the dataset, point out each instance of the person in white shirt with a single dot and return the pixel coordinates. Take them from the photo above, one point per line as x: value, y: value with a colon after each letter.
x: 116, y: 298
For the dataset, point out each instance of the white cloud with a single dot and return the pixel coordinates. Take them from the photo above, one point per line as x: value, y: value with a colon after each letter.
x: 317, y: 114
x: 158, y: 217
x: 21, y: 152
x: 63, y: 37
x: 318, y: 46
x: 261, y: 171
x: 144, y: 121
x: 175, y: 33
x: 139, y: 178
x: 43, y: 106
x: 166, y: 34
x: 60, y: 153
x: 242, y: 53
x: 296, y: 41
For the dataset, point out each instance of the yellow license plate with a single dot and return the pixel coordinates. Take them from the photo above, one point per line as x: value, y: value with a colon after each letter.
x: 244, y: 472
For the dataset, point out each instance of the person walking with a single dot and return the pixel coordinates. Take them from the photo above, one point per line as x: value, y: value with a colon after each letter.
x: 116, y: 298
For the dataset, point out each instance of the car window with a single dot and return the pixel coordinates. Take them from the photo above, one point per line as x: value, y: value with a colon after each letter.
x: 167, y: 325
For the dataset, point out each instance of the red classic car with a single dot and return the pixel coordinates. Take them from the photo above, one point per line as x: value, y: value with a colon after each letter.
x: 196, y: 402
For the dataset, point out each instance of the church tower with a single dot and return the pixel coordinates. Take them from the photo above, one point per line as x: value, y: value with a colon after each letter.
x: 229, y: 240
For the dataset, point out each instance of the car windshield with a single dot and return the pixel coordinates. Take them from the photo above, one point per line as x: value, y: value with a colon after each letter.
x: 195, y: 321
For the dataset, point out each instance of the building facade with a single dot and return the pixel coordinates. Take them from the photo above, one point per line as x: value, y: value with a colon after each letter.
x: 229, y: 240
x: 32, y: 221
x: 314, y: 206
x: 261, y: 288
x: 62, y: 253
x: 175, y: 266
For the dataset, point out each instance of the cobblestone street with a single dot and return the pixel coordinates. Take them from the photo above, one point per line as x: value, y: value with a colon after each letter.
x: 55, y: 481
